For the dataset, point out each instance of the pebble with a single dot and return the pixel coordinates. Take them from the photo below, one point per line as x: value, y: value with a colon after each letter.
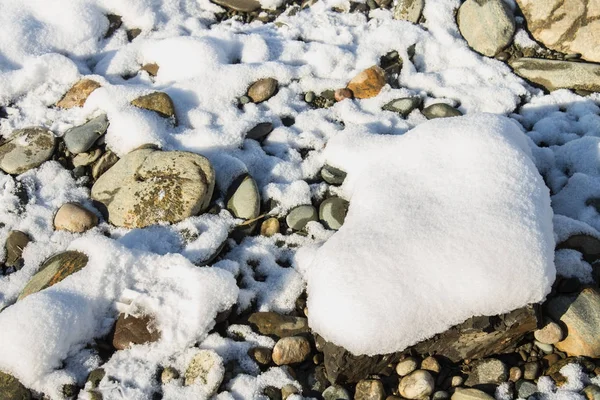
x: 551, y: 333
x: 291, y: 350
x: 431, y: 364
x: 369, y: 389
x: 591, y: 392
x: 525, y: 388
x: 14, y: 246
x: 299, y: 216
x: 131, y: 330
x: 403, y: 106
x: 531, y: 371
x: 150, y: 68
x: 551, y: 359
x: 159, y: 102
x: 103, y: 164
x: 440, y: 395
x: 456, y: 381
x: 271, y: 323
x: 272, y: 393
x: 85, y: 159
x: 343, y: 94
x: 368, y: 83
x: 514, y: 374
x: 203, y: 369
x: 73, y: 217
x: 168, y: 374
x: 244, y: 100
x: 416, y: 385
x: 546, y: 348
x: 470, y: 394
x: 487, y: 371
x: 336, y: 392
x: 406, y: 366
x: 309, y: 97
x: 78, y: 94
x: 28, y: 148
x: 440, y: 110
x: 332, y: 212
x: 245, y: 6
x: 270, y: 227
x: 288, y: 390
x: 261, y: 355
x: 332, y: 175
x: 244, y: 198
x: 487, y: 26
x: 260, y: 131
x: 81, y: 138
x: 409, y: 10
x: 263, y: 89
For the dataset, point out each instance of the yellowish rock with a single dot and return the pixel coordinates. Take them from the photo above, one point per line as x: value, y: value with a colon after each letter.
x: 73, y: 217
x: 78, y: 94
x: 368, y: 83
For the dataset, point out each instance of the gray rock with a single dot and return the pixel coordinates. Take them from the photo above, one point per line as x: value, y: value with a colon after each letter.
x: 260, y: 131
x: 555, y: 74
x: 244, y: 198
x: 299, y: 216
x: 14, y: 246
x: 409, y: 10
x: 487, y: 372
x: 85, y: 159
x: 550, y: 333
x: 440, y: 395
x: 309, y: 97
x: 406, y: 366
x: 28, y: 148
x: 525, y: 388
x: 403, y: 106
x: 332, y: 175
x: 261, y: 355
x: 291, y: 350
x: 369, y: 389
x: 12, y: 389
x: 148, y: 186
x: 81, y: 138
x: 470, y: 394
x: 588, y: 245
x: 263, y: 89
x: 546, y: 348
x: 336, y: 392
x: 488, y: 26
x: 104, y: 163
x: 271, y: 323
x: 416, y: 385
x: 332, y: 212
x: 239, y: 5
x: 531, y: 370
x: 440, y: 110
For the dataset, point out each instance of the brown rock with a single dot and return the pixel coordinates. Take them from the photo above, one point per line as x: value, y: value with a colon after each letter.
x: 368, y: 83
x: 130, y: 330
x: 342, y: 94
x: 431, y: 364
x: 151, y: 68
x: 271, y: 323
x: 114, y: 23
x: 15, y: 243
x: 263, y: 89
x: 73, y: 217
x: 291, y: 350
x: 78, y: 94
x: 12, y: 389
x: 261, y: 355
x: 270, y: 227
x: 159, y: 102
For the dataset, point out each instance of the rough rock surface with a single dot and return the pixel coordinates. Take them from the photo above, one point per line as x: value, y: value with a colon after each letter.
x: 368, y: 83
x: 159, y: 102
x: 555, y: 74
x: 409, y: 10
x: 12, y: 389
x: 271, y: 323
x: 78, y: 94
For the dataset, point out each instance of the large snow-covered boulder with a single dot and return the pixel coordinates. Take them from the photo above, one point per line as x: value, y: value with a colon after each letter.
x: 449, y: 221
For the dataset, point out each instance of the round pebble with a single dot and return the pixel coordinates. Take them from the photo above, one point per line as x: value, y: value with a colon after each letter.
x: 270, y: 227
x: 551, y: 333
x: 407, y: 366
x: 416, y: 385
x: 298, y: 217
x: 73, y: 217
x: 291, y: 350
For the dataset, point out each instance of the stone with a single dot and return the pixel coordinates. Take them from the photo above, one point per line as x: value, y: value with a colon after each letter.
x: 309, y: 97
x: 78, y: 94
x: 565, y: 26
x: 12, y: 389
x: 85, y: 159
x: 26, y: 149
x: 114, y: 23
x: 368, y: 83
x: 554, y: 370
x: 332, y: 175
x: 440, y: 110
x: 343, y: 94
x: 409, y: 10
x: 16, y: 242
x: 263, y: 89
x: 531, y: 370
x: 205, y: 369
x: 104, y: 163
x: 239, y: 5
x: 440, y: 395
x: 291, y: 350
x: 260, y: 131
x: 369, y: 389
x: 270, y: 227
x: 431, y: 364
x: 487, y: 372
x: 514, y: 374
x: 487, y: 26
x: 150, y: 68
x: 271, y: 323
x: 550, y: 333
x: 73, y: 217
x: 159, y: 102
x: 587, y: 245
x: 133, y: 33
x: 289, y: 389
x: 168, y: 374
x: 244, y: 198
x: 261, y: 355
x: 332, y: 212
x: 272, y: 393
x: 591, y: 392
x: 406, y: 366
x: 54, y: 270
x: 556, y: 74
x: 416, y: 385
x: 550, y: 359
x: 402, y: 106
x: 132, y: 330
x: 525, y: 389
x: 581, y: 316
x: 470, y: 394
x: 81, y: 138
x: 299, y: 216
x: 336, y: 392
x: 457, y: 381
x: 546, y: 348
x: 95, y: 377
x: 148, y: 186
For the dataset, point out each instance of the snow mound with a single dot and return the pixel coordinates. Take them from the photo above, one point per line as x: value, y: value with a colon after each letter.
x: 448, y: 221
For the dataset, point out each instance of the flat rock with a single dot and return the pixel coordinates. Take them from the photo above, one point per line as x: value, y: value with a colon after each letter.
x: 409, y: 10
x: 73, y: 217
x: 148, y: 186
x: 368, y: 83
x: 244, y: 198
x: 14, y: 246
x: 271, y: 323
x: 81, y: 138
x: 260, y: 131
x: 487, y: 372
x: 440, y: 110
x: 565, y: 26
x: 85, y: 159
x: 28, y: 148
x: 581, y: 316
x: 487, y: 25
x: 291, y: 350
x: 54, y: 270
x: 159, y: 102
x: 12, y: 389
x: 555, y: 74
x: 131, y: 330
x: 332, y: 212
x: 402, y: 106
x: 332, y: 175
x: 263, y: 89
x: 299, y: 216
x: 239, y: 5
x: 78, y: 94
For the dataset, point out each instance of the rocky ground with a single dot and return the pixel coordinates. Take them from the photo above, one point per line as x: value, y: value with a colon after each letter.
x: 536, y: 352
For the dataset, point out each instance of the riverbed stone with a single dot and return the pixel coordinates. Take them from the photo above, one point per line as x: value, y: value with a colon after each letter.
x: 27, y: 148
x: 556, y: 74
x: 332, y: 212
x: 440, y: 110
x: 487, y: 26
x: 131, y: 330
x: 159, y: 102
x: 271, y: 323
x: 78, y: 94
x: 244, y: 198
x: 263, y: 89
x: 14, y: 246
x: 417, y: 385
x: 367, y: 83
x: 299, y: 216
x: 291, y: 350
x: 73, y: 217
x: 409, y: 10
x: 81, y: 138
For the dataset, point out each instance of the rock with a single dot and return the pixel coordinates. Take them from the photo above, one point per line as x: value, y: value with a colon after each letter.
x: 261, y: 355
x: 12, y: 389
x: 78, y: 94
x: 531, y: 371
x: 54, y: 270
x: 132, y: 330
x: 133, y: 33
x: 416, y: 385
x: 565, y: 26
x: 168, y: 374
x: 244, y: 198
x: 440, y: 395
x: 159, y: 102
x: 336, y: 392
x: 588, y: 245
x: 554, y: 370
x: 546, y: 348
x: 151, y: 69
x: 332, y: 175
x: 148, y: 186
x: 299, y: 216
x: 239, y: 5
x: 555, y: 74
x: 28, y: 148
x: 114, y: 23
x: 549, y: 334
x: 104, y: 163
x: 205, y: 369
x: 369, y: 389
x: 81, y: 138
x: 85, y: 159
x: 406, y: 366
x: 470, y: 394
x: 550, y: 359
x: 409, y: 10
x: 95, y: 377
x: 591, y: 392
x: 431, y: 364
x: 269, y: 227
x: 289, y: 389
x: 309, y: 97
x: 73, y: 217
x: 332, y: 212
x: 581, y: 316
x: 487, y: 372
x: 291, y: 350
x: 456, y: 381
x: 488, y: 26
x: 263, y: 89
x: 343, y: 94
x: 440, y: 110
x: 525, y: 389
x: 514, y: 374
x: 368, y: 83
x: 272, y: 393
x: 260, y: 131
x: 271, y: 323
x: 403, y: 106
x: 14, y: 246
